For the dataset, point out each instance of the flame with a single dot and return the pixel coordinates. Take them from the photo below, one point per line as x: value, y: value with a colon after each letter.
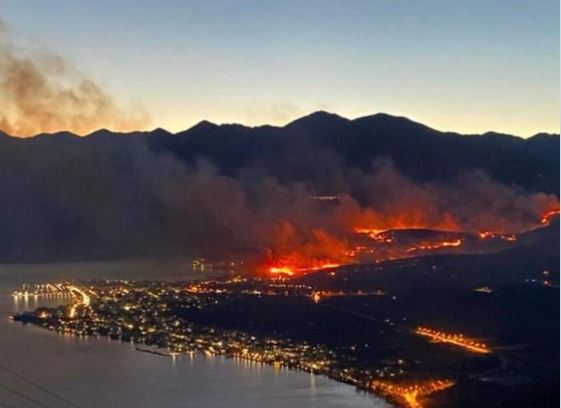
x: 365, y: 235
x: 281, y: 270
x: 437, y: 245
x: 372, y: 232
x: 495, y: 235
x: 327, y: 265
x: 378, y: 235
x: 549, y: 216
x: 373, y: 223
x: 291, y: 270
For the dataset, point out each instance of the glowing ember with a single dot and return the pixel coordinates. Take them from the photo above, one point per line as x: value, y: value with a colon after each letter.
x: 369, y: 231
x: 436, y: 245
x: 296, y: 250
x: 375, y: 234
x: 493, y: 235
x: 486, y: 234
x: 283, y: 270
x: 456, y: 339
x: 291, y: 270
x: 410, y: 393
x: 548, y: 217
x: 322, y: 266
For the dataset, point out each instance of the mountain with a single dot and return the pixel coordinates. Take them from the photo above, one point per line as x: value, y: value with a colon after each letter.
x: 112, y: 194
x: 304, y: 148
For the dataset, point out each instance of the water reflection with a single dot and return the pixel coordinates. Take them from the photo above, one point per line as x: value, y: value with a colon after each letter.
x: 100, y: 373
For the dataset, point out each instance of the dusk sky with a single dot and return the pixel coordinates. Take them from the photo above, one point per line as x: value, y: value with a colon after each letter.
x: 467, y: 66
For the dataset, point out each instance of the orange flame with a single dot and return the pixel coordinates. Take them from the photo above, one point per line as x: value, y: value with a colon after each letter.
x: 296, y: 249
x: 281, y: 270
x: 291, y: 270
x: 437, y: 245
x: 549, y: 216
x: 491, y: 235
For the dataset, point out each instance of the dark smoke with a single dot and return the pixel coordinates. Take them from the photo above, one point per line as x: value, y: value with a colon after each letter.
x: 99, y: 198
x: 65, y: 198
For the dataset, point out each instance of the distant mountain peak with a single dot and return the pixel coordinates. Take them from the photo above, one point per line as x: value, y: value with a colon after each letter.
x: 387, y: 119
x: 204, y: 125
x: 318, y: 118
x: 58, y: 135
x: 101, y: 132
x: 544, y: 135
x: 160, y: 130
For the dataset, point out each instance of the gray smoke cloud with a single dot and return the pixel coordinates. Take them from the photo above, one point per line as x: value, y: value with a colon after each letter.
x: 66, y: 198
x: 42, y: 92
x: 99, y: 198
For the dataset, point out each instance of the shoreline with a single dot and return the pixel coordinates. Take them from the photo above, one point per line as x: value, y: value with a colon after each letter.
x: 393, y: 403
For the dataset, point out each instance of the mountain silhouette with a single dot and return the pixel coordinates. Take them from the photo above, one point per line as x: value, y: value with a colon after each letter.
x: 291, y: 151
x: 420, y: 152
x: 110, y: 194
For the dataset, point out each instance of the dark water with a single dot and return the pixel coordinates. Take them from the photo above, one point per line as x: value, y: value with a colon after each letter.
x: 97, y: 373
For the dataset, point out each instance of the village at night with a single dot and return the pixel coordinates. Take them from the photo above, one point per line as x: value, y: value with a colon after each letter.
x: 280, y: 204
x: 453, y: 338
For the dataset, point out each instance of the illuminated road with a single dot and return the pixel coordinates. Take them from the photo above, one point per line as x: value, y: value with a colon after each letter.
x: 411, y: 393
x: 456, y: 339
x: 80, y: 295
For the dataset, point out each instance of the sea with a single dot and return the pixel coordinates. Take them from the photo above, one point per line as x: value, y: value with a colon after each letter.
x: 99, y: 373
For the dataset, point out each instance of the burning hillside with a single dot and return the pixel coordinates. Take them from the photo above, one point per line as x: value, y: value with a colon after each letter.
x: 399, y: 218
x: 366, y: 245
x: 319, y: 192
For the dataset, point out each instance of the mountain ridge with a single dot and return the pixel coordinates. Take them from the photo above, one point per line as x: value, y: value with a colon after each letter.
x: 112, y: 194
x: 309, y: 149
x: 312, y: 117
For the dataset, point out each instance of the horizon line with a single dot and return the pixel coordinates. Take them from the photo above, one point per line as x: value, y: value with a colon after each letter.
x: 266, y: 125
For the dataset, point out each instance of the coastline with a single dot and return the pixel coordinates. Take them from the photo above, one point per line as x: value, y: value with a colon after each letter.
x: 386, y: 398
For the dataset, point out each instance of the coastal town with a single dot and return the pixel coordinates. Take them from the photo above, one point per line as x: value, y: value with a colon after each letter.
x: 168, y: 318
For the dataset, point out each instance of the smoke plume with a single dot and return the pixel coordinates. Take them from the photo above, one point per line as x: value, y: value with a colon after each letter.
x: 117, y: 198
x: 114, y: 197
x: 41, y: 92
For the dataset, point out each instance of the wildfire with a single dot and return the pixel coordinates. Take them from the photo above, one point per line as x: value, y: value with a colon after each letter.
x: 281, y: 270
x: 437, y: 245
x: 504, y: 237
x: 371, y: 232
x: 290, y: 270
x: 456, y: 339
x: 296, y: 252
x: 548, y: 217
x: 327, y: 265
x: 410, y: 393
x: 378, y: 235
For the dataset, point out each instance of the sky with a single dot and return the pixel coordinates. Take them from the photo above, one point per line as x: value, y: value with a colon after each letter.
x: 467, y: 66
